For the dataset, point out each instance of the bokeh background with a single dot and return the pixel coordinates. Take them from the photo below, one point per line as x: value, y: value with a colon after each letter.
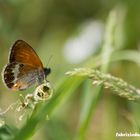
x: 72, y: 34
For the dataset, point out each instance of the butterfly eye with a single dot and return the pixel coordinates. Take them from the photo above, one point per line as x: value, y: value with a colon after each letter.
x: 47, y: 71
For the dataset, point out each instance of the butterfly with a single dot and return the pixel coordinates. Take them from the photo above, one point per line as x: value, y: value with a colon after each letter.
x: 24, y: 67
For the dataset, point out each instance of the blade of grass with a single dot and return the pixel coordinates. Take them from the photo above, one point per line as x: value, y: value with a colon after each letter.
x: 119, y: 55
x: 105, y: 60
x: 109, y: 115
x: 129, y: 55
x: 87, y: 107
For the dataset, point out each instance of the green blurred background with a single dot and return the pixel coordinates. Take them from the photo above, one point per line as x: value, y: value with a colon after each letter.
x: 72, y: 33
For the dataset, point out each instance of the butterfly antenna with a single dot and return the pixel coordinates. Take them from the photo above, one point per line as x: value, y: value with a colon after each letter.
x: 47, y: 69
x: 49, y: 60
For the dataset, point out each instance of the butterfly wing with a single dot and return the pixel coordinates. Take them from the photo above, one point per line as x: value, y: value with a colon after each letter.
x: 23, y: 53
x: 24, y: 67
x: 18, y: 76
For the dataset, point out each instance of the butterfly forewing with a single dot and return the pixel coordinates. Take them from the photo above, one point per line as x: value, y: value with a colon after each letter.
x: 24, y: 67
x: 23, y: 53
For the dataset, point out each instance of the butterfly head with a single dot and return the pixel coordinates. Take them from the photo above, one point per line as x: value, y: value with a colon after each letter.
x: 47, y: 71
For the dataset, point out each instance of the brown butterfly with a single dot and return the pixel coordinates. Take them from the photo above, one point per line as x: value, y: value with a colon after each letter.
x: 24, y: 67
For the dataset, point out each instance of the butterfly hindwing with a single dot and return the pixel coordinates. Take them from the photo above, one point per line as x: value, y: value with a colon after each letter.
x: 16, y: 77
